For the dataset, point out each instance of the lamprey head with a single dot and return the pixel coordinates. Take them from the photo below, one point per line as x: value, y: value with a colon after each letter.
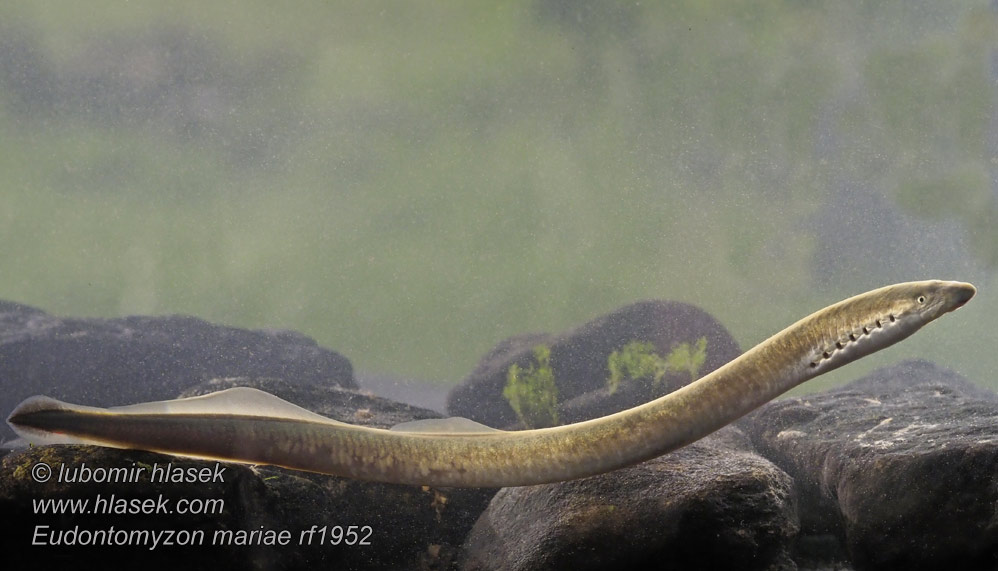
x: 932, y: 299
x: 871, y: 321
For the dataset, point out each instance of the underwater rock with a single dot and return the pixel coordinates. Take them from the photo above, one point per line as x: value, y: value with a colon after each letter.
x: 579, y: 359
x: 108, y: 362
x: 407, y: 527
x: 710, y: 505
x: 901, y: 465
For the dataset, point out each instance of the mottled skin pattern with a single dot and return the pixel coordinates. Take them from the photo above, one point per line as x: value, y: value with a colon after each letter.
x: 823, y: 341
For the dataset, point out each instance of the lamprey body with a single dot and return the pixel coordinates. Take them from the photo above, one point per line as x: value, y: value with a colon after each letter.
x: 251, y: 426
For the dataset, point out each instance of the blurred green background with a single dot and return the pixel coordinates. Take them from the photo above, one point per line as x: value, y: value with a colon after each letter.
x: 410, y: 183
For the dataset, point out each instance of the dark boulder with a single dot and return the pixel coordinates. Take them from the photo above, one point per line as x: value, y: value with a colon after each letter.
x: 579, y: 360
x: 711, y: 505
x: 901, y: 466
x: 107, y: 362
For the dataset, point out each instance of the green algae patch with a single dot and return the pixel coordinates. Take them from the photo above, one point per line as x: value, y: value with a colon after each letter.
x: 638, y: 361
x: 532, y: 392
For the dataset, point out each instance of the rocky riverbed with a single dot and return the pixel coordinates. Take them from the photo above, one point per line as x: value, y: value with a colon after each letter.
x: 897, y: 470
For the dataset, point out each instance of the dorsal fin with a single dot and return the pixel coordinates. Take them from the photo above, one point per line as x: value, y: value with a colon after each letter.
x: 239, y: 400
x: 444, y: 426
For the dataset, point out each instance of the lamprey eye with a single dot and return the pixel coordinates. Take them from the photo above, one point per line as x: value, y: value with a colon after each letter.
x: 921, y: 299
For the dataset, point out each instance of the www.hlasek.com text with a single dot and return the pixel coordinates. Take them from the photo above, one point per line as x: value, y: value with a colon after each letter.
x: 106, y: 504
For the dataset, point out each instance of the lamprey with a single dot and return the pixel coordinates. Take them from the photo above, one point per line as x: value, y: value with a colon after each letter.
x: 251, y: 426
